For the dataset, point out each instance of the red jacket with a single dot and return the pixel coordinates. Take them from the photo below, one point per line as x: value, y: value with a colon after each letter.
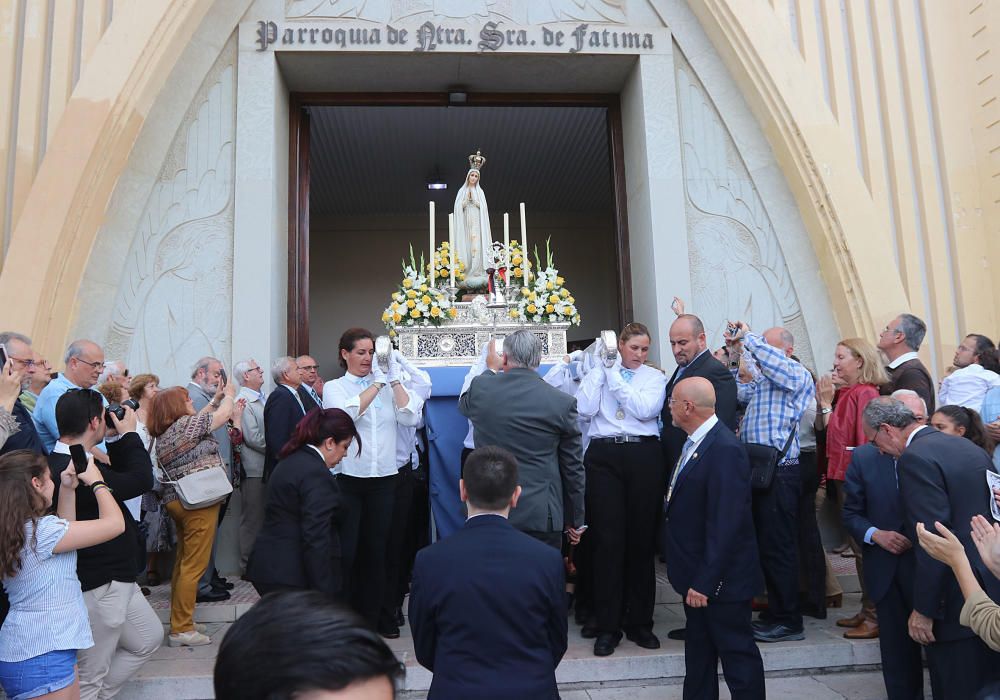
x: 845, y: 428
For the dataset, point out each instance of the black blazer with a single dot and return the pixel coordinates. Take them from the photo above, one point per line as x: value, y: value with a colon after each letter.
x: 307, y: 400
x: 129, y: 474
x: 943, y: 477
x: 281, y: 414
x: 26, y: 437
x: 672, y: 438
x: 488, y: 613
x: 298, y: 544
x: 711, y: 546
x: 872, y: 499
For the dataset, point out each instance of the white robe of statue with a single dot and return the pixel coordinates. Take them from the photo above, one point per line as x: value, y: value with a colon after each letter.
x: 473, y: 240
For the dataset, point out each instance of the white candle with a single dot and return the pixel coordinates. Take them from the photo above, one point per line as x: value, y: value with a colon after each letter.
x: 433, y: 274
x: 451, y: 246
x: 524, y: 247
x: 506, y: 232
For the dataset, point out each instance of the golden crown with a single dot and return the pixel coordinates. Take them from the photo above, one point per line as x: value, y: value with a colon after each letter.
x: 477, y: 161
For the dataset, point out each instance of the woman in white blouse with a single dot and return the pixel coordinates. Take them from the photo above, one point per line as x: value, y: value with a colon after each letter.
x: 625, y: 483
x: 377, y: 401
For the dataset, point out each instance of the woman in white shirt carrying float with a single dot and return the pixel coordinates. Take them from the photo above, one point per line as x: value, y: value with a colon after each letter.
x: 48, y: 620
x: 376, y: 401
x: 624, y: 464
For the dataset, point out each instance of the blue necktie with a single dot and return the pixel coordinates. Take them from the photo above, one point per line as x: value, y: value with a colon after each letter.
x: 627, y: 374
x: 688, y: 444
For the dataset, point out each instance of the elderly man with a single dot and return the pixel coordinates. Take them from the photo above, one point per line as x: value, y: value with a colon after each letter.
x: 778, y: 393
x: 206, y: 380
x: 518, y: 411
x: 37, y: 380
x: 84, y: 363
x: 308, y: 373
x: 711, y: 548
x: 873, y: 514
x: 899, y: 341
x: 22, y: 360
x: 283, y: 410
x: 250, y: 378
x: 114, y: 371
x: 941, y: 479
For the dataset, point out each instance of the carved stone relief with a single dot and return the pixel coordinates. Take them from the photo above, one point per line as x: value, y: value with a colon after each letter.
x: 738, y: 270
x: 522, y: 12
x: 174, y: 303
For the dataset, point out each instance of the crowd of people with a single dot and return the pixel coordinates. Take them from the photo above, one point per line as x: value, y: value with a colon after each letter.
x: 572, y: 481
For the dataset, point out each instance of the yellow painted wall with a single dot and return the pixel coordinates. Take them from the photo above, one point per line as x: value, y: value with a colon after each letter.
x: 884, y: 115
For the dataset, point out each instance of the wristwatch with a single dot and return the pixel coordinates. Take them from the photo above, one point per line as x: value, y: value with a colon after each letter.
x: 824, y: 411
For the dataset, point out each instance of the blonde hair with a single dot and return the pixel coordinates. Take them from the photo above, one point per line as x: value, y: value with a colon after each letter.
x: 872, y: 371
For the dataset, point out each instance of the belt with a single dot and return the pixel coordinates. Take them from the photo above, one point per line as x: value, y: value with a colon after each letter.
x: 788, y: 463
x: 621, y: 439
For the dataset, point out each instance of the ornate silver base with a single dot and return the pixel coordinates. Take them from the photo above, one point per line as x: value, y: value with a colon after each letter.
x: 460, y: 340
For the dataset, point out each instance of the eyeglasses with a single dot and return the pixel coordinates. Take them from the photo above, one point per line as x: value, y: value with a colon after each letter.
x: 309, y: 368
x: 92, y: 365
x: 256, y: 369
x: 26, y: 363
x: 671, y: 401
x: 891, y: 330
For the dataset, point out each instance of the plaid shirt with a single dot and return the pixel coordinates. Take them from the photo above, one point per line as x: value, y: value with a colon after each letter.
x: 776, y: 398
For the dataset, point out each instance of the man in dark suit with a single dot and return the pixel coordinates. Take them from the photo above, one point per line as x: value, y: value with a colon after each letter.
x: 687, y: 342
x: 488, y: 604
x: 873, y: 514
x: 20, y: 353
x: 283, y: 410
x: 308, y: 374
x: 518, y: 411
x: 899, y: 341
x: 711, y: 548
x: 941, y: 479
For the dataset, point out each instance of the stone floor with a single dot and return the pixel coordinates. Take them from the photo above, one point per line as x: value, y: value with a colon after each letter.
x: 823, y: 666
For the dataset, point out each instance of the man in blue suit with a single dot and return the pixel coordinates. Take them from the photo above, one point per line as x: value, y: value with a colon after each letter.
x: 488, y: 605
x: 711, y: 549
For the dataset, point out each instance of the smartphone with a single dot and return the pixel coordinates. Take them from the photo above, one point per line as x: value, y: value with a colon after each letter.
x: 79, y: 457
x: 732, y: 330
x: 3, y: 354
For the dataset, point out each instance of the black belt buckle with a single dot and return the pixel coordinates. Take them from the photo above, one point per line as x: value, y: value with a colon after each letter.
x: 621, y: 439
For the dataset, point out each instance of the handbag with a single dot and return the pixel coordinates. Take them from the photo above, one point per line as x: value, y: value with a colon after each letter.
x: 201, y: 489
x: 764, y: 461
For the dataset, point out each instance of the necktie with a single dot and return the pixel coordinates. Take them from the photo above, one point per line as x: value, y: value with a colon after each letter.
x: 688, y: 444
x: 627, y: 374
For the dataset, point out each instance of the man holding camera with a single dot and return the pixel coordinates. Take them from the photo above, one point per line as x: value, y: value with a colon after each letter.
x: 126, y: 630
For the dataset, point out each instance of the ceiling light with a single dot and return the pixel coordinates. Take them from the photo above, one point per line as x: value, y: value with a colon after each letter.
x: 437, y: 185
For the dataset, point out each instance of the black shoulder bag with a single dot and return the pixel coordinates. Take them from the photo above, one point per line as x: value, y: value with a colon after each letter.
x: 764, y: 461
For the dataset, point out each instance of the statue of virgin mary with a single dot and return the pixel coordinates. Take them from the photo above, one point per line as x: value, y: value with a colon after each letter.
x: 473, y: 240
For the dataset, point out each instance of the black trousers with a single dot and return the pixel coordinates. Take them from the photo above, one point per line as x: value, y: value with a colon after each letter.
x: 902, y: 665
x: 812, y: 558
x: 961, y: 668
x: 624, y: 500
x: 364, y: 539
x: 776, y: 519
x: 397, y: 539
x: 418, y: 530
x: 264, y: 588
x: 721, y: 631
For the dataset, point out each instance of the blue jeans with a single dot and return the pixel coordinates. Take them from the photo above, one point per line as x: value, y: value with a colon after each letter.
x: 42, y: 674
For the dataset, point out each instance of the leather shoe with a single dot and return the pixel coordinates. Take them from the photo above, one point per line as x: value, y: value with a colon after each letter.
x: 213, y: 596
x: 606, y: 643
x: 866, y: 630
x: 677, y: 634
x: 588, y: 632
x: 643, y: 638
x: 854, y: 621
x: 220, y: 582
x: 777, y: 633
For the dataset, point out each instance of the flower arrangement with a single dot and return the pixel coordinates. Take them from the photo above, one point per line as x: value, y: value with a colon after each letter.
x: 546, y: 299
x: 417, y: 301
x: 440, y: 268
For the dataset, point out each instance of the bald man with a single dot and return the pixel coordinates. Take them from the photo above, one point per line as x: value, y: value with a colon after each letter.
x: 84, y: 364
x: 711, y: 548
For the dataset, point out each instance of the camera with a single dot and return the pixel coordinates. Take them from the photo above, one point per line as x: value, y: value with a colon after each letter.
x: 118, y: 409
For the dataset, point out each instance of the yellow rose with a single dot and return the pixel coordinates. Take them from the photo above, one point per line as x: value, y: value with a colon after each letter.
x: 560, y: 281
x: 517, y: 260
x: 392, y: 334
x: 531, y: 296
x: 425, y: 299
x: 410, y: 303
x: 553, y: 298
x: 407, y: 283
x: 518, y: 272
x: 453, y: 312
x: 444, y: 244
x: 396, y: 318
x: 564, y: 292
x: 435, y: 311
x: 548, y: 286
x: 423, y: 288
x: 532, y: 309
x: 571, y: 300
x: 412, y: 294
x: 524, y: 291
x: 385, y: 316
x: 442, y: 273
x: 514, y: 313
x: 414, y: 314
x: 549, y: 308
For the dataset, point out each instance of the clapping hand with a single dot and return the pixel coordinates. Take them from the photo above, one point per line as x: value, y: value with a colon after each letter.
x: 825, y: 390
x: 986, y: 537
x: 945, y: 548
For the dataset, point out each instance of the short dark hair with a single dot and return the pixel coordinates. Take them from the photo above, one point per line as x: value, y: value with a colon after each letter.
x: 347, y: 341
x: 490, y: 476
x: 76, y: 408
x: 294, y: 642
x: 986, y: 351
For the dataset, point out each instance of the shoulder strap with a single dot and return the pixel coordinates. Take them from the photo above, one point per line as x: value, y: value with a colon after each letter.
x: 788, y: 442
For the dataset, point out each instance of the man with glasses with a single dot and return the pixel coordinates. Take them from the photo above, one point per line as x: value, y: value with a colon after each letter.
x: 309, y: 373
x: 84, y: 364
x: 38, y: 379
x: 250, y: 377
x: 899, y: 341
x: 18, y: 348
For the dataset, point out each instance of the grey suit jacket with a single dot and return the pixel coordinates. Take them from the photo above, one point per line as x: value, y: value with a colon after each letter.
x: 518, y: 411
x: 221, y: 434
x: 253, y: 449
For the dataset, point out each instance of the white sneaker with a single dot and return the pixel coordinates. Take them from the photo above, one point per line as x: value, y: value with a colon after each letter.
x: 194, y: 638
x: 198, y: 627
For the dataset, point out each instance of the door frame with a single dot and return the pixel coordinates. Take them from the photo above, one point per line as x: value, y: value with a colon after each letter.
x: 299, y: 173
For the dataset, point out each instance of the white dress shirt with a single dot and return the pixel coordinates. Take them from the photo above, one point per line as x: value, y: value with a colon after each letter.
x: 604, y: 390
x: 967, y: 386
x: 377, y: 425
x: 417, y: 382
x: 478, y: 368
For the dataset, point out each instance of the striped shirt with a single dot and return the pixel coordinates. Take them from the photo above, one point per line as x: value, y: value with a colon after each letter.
x: 777, y: 396
x: 47, y: 612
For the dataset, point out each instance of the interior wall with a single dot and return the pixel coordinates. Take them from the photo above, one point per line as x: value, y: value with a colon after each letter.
x: 354, y: 265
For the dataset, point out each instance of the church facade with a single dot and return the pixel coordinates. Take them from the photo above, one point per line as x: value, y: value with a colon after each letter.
x: 813, y: 164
